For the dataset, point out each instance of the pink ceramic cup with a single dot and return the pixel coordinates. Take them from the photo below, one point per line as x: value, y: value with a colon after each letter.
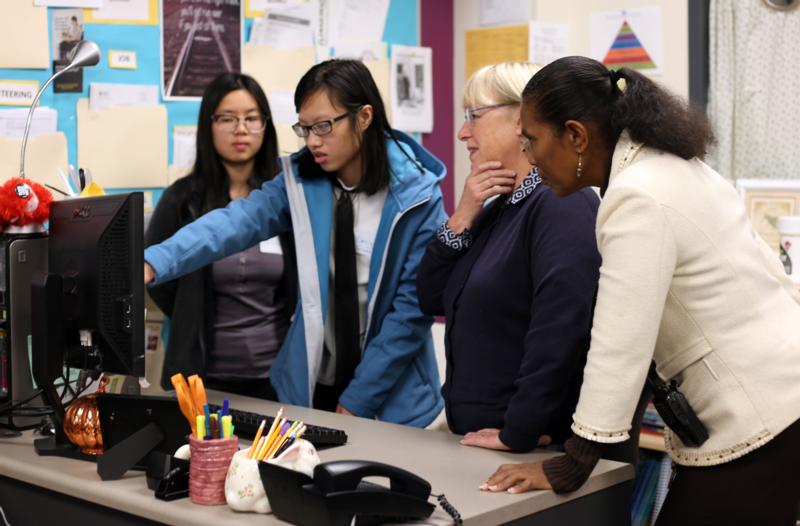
x: 208, y: 467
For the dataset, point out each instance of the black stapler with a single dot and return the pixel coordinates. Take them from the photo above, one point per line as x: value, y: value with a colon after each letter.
x: 168, y: 476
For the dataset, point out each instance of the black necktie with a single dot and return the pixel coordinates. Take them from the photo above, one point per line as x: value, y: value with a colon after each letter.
x: 345, y: 293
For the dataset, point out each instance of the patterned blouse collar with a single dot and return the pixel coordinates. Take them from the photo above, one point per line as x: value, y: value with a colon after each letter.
x: 527, y: 187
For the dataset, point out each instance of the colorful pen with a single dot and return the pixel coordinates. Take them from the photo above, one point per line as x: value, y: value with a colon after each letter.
x: 206, y: 411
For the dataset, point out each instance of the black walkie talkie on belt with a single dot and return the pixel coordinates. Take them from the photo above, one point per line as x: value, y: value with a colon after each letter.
x: 675, y: 410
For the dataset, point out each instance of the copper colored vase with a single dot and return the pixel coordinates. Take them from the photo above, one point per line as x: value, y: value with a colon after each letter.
x: 82, y: 423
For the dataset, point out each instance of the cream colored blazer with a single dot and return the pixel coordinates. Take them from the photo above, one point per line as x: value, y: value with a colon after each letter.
x: 686, y: 280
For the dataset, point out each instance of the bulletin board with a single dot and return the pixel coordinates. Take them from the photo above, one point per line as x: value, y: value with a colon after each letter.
x: 401, y: 28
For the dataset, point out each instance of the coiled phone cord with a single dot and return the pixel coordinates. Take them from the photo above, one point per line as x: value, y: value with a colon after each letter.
x: 449, y: 508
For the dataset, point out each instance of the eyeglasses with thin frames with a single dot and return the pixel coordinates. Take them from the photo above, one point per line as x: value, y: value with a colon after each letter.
x: 318, y: 128
x: 254, y: 124
x: 470, y: 113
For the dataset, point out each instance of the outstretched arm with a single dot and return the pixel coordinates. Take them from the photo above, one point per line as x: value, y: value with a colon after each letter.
x: 222, y: 232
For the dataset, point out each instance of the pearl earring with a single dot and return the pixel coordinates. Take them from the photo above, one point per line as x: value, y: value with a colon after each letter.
x: 579, y: 172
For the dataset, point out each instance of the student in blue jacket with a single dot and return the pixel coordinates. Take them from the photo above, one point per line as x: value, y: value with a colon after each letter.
x: 362, y: 201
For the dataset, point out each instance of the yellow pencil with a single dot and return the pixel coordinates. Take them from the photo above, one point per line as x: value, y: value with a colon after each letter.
x: 262, y: 449
x: 257, y: 447
x: 256, y: 438
x: 271, y: 439
x: 271, y: 428
x: 278, y: 443
x: 300, y: 432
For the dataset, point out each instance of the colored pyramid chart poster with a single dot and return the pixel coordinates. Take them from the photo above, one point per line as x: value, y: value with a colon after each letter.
x: 628, y: 38
x: 627, y: 51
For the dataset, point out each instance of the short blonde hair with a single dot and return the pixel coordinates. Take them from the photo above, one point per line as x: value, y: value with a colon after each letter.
x: 498, y: 84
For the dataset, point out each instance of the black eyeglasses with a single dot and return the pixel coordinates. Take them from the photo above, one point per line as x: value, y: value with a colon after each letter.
x: 230, y: 123
x: 318, y: 128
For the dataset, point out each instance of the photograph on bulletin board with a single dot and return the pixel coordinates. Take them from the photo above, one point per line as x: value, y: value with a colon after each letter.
x: 67, y: 32
x: 412, y: 94
x: 199, y: 40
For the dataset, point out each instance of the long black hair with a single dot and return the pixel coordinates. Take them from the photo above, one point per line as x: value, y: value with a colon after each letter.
x: 349, y: 84
x: 580, y: 88
x: 210, y: 179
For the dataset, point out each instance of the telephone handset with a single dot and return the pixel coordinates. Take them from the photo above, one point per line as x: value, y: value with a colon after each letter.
x: 338, y: 495
x: 342, y: 484
x: 345, y: 475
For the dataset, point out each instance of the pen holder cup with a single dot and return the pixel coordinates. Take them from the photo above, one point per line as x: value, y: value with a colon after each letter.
x: 208, y: 468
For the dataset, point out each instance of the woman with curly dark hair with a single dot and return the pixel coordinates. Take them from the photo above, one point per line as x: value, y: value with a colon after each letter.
x: 685, y: 282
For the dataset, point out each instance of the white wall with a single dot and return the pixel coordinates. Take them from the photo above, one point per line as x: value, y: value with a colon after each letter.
x: 576, y: 13
x: 437, y: 330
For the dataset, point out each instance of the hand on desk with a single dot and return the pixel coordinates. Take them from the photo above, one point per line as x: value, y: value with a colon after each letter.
x: 517, y: 478
x: 489, y: 438
x: 340, y: 409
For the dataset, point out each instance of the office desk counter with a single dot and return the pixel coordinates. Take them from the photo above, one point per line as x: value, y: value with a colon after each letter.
x: 436, y: 456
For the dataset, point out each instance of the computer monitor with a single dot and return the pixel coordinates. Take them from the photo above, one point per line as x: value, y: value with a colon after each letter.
x: 88, y: 310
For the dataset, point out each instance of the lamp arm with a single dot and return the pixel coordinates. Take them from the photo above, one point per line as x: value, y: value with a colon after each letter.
x: 30, y: 118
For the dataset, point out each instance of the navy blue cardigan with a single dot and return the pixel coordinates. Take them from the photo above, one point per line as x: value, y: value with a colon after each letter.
x: 518, y: 306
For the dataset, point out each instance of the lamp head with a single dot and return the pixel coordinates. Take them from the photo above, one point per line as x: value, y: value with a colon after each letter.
x: 86, y: 53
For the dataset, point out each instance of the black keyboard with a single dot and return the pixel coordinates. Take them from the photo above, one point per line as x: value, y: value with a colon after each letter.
x: 246, y: 425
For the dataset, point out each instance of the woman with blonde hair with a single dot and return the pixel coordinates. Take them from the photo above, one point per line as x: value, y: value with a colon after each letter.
x: 514, y: 271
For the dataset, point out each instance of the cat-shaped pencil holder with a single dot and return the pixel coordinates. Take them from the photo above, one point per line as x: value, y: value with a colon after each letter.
x: 243, y: 488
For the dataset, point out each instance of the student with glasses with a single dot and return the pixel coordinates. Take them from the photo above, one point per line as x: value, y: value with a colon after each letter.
x: 362, y: 201
x: 229, y: 317
x: 514, y: 272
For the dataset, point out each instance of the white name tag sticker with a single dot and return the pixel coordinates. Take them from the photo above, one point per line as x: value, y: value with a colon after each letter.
x: 270, y: 246
x: 364, y: 241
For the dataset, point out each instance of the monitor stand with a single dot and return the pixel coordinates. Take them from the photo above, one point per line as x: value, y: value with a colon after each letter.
x: 58, y: 444
x: 114, y: 462
x: 47, y: 360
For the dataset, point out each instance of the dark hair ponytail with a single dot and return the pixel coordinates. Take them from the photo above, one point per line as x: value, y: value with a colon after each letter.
x: 580, y: 88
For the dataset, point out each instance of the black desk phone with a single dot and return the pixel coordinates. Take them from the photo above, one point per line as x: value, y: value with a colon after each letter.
x: 338, y: 495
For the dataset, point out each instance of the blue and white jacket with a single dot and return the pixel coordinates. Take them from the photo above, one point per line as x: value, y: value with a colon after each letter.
x: 397, y: 379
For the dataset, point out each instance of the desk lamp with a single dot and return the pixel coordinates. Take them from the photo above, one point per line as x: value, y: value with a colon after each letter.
x: 86, y: 53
